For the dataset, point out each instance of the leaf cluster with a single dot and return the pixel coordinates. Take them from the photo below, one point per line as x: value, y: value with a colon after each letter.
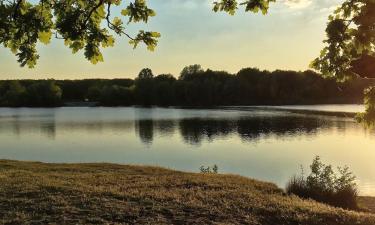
x: 350, y: 38
x: 231, y: 6
x: 83, y: 25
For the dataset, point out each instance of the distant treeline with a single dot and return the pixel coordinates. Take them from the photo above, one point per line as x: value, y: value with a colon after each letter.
x: 193, y: 87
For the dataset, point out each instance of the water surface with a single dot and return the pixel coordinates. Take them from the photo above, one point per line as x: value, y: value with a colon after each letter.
x: 263, y: 144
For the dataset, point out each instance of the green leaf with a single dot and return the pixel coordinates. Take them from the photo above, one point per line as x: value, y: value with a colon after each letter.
x: 125, y: 12
x: 45, y: 37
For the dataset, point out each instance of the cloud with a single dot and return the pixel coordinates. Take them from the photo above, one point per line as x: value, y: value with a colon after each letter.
x: 298, y: 4
x: 317, y: 5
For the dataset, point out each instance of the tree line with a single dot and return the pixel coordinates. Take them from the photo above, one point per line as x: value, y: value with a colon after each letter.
x: 194, y: 87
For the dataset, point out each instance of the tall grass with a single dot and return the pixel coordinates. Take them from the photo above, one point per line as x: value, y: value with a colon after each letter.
x: 325, y: 185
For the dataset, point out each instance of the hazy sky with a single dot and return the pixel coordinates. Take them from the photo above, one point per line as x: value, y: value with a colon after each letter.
x: 289, y: 37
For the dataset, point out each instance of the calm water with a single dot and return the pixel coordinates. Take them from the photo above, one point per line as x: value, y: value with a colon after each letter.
x: 328, y: 108
x: 266, y: 145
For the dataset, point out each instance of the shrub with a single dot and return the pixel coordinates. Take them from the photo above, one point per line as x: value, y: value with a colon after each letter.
x: 325, y: 185
x: 214, y: 169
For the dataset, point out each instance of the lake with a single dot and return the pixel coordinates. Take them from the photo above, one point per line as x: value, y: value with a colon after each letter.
x: 255, y: 142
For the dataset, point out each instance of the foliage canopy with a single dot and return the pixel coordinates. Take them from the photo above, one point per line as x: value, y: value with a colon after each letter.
x: 83, y: 24
x: 350, y: 41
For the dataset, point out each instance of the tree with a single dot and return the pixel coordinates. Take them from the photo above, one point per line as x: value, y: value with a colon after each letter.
x: 144, y: 87
x: 116, y: 96
x: 164, y: 89
x: 145, y: 73
x: 188, y: 71
x: 43, y: 93
x: 350, y: 41
x: 350, y: 49
x: 13, y: 95
x: 24, y: 23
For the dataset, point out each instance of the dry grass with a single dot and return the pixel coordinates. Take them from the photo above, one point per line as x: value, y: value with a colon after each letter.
x: 40, y: 193
x: 367, y: 203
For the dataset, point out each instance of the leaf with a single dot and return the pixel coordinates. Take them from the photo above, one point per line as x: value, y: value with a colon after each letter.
x: 45, y: 37
x: 155, y: 34
x: 109, y: 42
x: 125, y: 12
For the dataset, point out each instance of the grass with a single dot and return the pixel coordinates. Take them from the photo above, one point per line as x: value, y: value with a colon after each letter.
x: 367, y: 203
x: 37, y: 193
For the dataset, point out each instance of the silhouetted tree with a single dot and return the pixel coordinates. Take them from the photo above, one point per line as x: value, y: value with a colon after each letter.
x: 164, y: 90
x: 145, y: 74
x: 115, y: 95
x: 250, y: 86
x: 13, y: 94
x: 43, y: 94
x: 144, y: 87
x: 189, y: 71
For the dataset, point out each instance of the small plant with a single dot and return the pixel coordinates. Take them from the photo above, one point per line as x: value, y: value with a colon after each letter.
x: 208, y: 169
x: 324, y: 185
x: 215, y: 169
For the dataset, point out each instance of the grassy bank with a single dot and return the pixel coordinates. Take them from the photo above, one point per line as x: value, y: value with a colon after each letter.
x: 106, y: 193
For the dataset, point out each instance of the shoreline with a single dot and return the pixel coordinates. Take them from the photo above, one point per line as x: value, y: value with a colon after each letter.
x: 279, y: 108
x: 113, y: 193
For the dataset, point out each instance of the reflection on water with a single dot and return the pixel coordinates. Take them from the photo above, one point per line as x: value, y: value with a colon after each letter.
x: 193, y: 130
x: 145, y: 130
x: 267, y: 145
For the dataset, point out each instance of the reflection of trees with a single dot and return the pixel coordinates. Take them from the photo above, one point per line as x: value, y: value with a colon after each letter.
x: 145, y: 129
x: 49, y: 129
x: 254, y: 128
x: 165, y: 127
x: 194, y: 131
x: 30, y: 124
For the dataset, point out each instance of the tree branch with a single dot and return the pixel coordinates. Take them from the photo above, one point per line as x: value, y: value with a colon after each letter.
x: 112, y: 26
x: 101, y: 2
x: 16, y: 8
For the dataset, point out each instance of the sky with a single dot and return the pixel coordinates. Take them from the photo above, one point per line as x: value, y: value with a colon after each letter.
x: 289, y: 37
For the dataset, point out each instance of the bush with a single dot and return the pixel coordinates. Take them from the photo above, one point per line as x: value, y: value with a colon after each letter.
x: 324, y: 185
x: 208, y: 169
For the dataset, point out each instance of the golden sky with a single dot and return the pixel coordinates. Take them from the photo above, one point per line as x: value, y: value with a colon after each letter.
x: 289, y: 37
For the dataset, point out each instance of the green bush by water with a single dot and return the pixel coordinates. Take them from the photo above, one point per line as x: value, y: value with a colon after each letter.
x: 325, y: 185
